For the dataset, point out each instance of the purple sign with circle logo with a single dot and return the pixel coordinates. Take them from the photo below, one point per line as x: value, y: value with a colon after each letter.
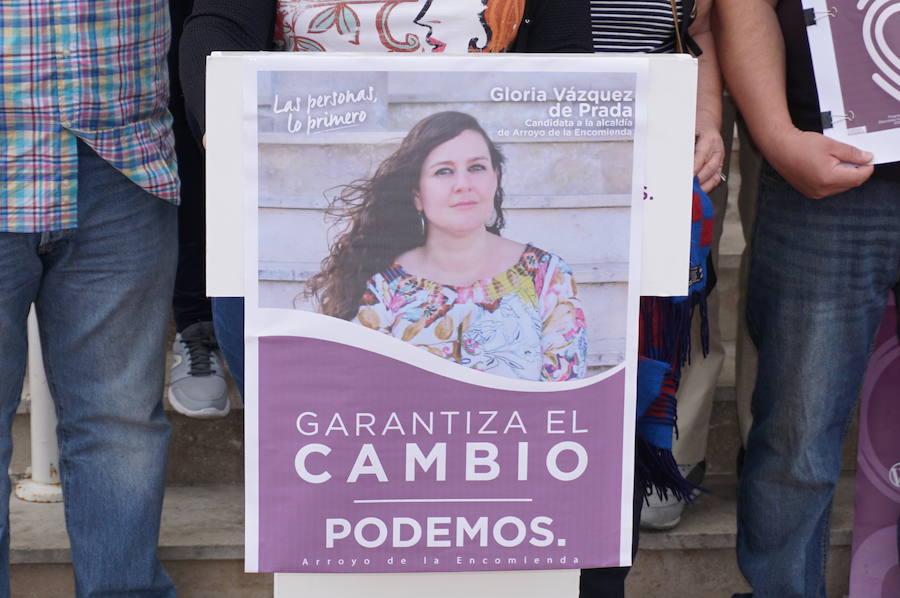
x: 875, y: 569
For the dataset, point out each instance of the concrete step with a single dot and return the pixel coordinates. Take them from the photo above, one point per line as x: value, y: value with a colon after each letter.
x: 194, y: 579
x: 201, y: 543
x: 699, y: 553
x: 202, y: 451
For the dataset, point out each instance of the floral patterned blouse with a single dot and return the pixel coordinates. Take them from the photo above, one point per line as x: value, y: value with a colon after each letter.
x: 526, y: 322
x: 391, y: 25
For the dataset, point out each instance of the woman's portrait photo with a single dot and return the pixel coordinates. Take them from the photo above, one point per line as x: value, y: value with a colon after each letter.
x: 421, y: 258
x: 429, y: 208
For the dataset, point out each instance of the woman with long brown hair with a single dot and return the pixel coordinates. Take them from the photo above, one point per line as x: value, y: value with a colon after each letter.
x: 421, y: 258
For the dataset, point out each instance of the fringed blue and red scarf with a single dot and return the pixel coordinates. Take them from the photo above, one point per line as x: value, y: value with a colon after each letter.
x: 664, y: 347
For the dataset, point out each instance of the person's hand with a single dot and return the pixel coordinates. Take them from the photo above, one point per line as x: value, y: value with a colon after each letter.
x: 709, y: 155
x: 818, y: 166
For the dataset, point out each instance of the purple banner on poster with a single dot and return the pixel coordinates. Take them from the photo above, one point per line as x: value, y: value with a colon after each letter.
x: 397, y: 469
x: 875, y: 568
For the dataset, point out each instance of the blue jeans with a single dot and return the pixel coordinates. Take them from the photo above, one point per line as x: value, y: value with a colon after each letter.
x: 228, y: 319
x: 103, y: 295
x: 819, y: 280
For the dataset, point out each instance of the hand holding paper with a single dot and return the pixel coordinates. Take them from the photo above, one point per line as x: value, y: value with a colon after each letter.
x: 818, y: 166
x: 853, y: 45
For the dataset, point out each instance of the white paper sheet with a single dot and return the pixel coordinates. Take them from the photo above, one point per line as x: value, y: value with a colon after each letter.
x: 855, y: 46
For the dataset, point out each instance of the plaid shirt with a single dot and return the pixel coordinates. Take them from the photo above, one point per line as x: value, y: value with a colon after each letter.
x: 93, y: 70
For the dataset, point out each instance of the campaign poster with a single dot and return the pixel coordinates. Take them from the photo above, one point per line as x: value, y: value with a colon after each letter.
x: 442, y: 276
x: 875, y: 564
x: 855, y: 46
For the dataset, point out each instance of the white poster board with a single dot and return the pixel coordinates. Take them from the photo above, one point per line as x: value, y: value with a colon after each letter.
x: 665, y: 258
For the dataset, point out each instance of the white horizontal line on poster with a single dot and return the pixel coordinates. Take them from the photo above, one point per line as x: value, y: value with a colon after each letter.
x: 510, y: 202
x: 363, y: 501
x: 304, y: 324
x: 327, y: 138
x: 606, y: 273
x: 427, y: 97
x: 350, y: 61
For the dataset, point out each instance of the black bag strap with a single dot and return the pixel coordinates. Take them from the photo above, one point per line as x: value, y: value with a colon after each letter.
x: 679, y: 46
x: 684, y: 43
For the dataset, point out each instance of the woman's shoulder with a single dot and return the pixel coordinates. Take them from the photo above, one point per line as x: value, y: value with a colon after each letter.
x: 388, y: 278
x: 546, y: 269
x: 536, y: 259
x: 386, y: 287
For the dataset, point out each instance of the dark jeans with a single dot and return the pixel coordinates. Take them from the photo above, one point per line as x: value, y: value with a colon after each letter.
x: 819, y: 279
x: 102, y: 293
x: 228, y: 319
x: 189, y: 301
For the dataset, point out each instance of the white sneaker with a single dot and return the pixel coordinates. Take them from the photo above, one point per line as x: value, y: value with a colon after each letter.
x: 661, y: 514
x: 198, y: 387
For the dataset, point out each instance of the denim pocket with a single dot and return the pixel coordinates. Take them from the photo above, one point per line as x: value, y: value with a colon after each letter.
x: 770, y: 176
